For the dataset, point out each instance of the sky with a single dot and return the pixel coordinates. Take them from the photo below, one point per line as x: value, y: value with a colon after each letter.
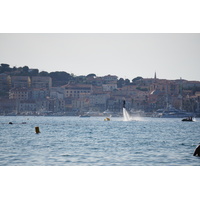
x: 127, y: 55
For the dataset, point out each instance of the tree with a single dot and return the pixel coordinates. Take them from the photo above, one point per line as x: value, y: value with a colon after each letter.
x: 91, y: 75
x: 80, y: 79
x: 60, y: 78
x: 5, y: 68
x: 43, y: 73
x: 137, y: 79
x: 33, y: 72
x: 127, y: 82
x: 60, y: 75
x: 25, y: 69
x: 120, y: 83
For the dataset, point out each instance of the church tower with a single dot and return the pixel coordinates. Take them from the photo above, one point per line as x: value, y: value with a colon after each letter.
x: 155, y: 76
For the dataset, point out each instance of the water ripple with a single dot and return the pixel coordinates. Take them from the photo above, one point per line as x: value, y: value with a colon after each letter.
x: 75, y: 141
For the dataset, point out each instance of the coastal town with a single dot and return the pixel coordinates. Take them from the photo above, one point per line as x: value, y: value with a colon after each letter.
x: 26, y: 91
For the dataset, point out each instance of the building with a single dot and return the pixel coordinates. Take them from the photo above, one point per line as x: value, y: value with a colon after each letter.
x: 57, y: 92
x: 41, y: 82
x: 27, y: 106
x: 39, y: 93
x: 169, y: 87
x: 8, y: 106
x: 109, y: 79
x: 56, y: 105
x: 98, y: 101
x: 97, y: 81
x: 20, y: 81
x: 5, y: 84
x: 115, y: 103
x: 109, y: 87
x: 191, y: 84
x: 80, y: 104
x: 76, y: 90
x: 19, y: 93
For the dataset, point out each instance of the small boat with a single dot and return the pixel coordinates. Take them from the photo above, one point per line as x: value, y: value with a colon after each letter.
x: 107, y: 119
x: 188, y: 119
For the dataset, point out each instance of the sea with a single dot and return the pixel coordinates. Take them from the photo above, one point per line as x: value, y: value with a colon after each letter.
x: 92, y: 141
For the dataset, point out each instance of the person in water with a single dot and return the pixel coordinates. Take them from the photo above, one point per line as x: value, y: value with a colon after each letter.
x: 124, y: 102
x: 197, y: 151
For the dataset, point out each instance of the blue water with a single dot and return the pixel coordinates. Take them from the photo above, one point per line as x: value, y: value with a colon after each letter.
x: 74, y: 141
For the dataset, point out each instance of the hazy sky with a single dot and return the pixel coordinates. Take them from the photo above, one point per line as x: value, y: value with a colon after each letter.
x: 126, y: 55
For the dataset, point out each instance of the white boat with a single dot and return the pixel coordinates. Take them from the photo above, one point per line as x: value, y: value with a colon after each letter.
x: 171, y: 112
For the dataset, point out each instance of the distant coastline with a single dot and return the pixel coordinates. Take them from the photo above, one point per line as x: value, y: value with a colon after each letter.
x: 25, y: 91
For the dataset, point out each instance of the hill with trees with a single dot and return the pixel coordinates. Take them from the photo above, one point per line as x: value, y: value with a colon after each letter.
x: 59, y: 78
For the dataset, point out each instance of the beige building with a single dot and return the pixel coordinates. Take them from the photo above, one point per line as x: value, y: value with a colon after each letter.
x: 41, y: 82
x: 19, y: 93
x: 20, y: 81
x: 81, y: 104
x: 191, y: 84
x: 109, y: 79
x: 166, y: 86
x: 76, y: 90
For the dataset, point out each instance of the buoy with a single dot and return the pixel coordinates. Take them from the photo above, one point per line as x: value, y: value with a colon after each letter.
x: 10, y: 123
x: 37, y: 130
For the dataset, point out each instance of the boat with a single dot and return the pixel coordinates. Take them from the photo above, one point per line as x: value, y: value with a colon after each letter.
x: 93, y: 113
x: 188, y: 119
x: 172, y: 112
x: 107, y: 119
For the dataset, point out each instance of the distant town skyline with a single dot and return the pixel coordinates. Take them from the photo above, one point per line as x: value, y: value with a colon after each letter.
x: 126, y: 55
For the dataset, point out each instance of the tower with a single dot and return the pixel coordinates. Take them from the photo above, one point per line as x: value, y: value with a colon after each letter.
x: 155, y: 76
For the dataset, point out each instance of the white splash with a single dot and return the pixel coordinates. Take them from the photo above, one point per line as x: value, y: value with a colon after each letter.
x: 126, y: 115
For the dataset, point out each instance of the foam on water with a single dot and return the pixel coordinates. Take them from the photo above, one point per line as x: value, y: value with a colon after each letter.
x: 126, y: 115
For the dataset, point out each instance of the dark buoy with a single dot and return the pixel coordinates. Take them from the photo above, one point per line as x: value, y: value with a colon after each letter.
x: 197, y: 151
x: 10, y: 123
x: 124, y: 103
x: 37, y: 129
